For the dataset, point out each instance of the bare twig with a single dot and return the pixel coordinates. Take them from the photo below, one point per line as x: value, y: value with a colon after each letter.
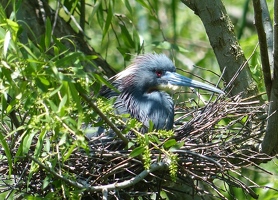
x: 154, y: 167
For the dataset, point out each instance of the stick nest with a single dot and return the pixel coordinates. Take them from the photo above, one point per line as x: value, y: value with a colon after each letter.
x: 219, y: 139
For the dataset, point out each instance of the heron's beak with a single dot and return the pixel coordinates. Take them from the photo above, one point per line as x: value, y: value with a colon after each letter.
x: 179, y: 80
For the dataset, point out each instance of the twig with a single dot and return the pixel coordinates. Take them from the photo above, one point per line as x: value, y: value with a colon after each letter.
x: 109, y: 123
x: 154, y: 167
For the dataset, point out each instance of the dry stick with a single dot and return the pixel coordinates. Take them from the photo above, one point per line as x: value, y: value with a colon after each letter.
x: 240, y: 69
x: 120, y: 185
x: 199, y: 155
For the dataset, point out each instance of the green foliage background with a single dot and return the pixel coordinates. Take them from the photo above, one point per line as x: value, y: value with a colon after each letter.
x: 44, y: 78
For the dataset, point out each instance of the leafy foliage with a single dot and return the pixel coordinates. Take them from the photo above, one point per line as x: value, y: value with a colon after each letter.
x: 43, y: 114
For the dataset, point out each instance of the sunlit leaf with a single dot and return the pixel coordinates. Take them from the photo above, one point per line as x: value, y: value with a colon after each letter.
x: 27, y: 141
x: 68, y: 59
x: 44, y: 81
x: 7, y: 151
x: 126, y: 36
x: 95, y: 9
x: 7, y: 40
x: 137, y: 151
x: 169, y: 143
x: 128, y: 6
x: 62, y: 105
x: 48, y: 31
x: 108, y: 19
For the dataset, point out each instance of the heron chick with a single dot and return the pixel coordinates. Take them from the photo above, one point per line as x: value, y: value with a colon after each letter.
x: 142, y: 90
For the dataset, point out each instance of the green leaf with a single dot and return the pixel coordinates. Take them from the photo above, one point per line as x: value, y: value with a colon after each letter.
x: 25, y: 144
x: 169, y: 46
x: 125, y: 53
x: 55, y: 91
x: 130, y: 144
x: 68, y: 59
x: 44, y: 81
x: 29, y: 51
x: 100, y: 17
x: 52, y: 105
x: 95, y: 9
x: 40, y: 144
x: 75, y: 95
x: 69, y: 152
x: 127, y: 5
x: 46, y: 182
x: 154, y: 138
x: 178, y: 145
x: 126, y: 36
x: 13, y: 25
x: 7, y: 152
x: 62, y: 105
x: 137, y: 41
x: 147, y: 139
x: 143, y: 3
x: 101, y: 79
x: 169, y: 143
x: 108, y: 19
x: 63, y: 139
x: 137, y: 151
x: 7, y: 40
x: 151, y: 126
x: 40, y: 85
x: 48, y: 30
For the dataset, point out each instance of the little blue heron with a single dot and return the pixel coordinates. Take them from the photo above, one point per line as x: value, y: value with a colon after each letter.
x: 142, y: 90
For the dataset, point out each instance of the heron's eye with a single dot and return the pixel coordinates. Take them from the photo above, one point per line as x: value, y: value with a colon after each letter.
x: 158, y: 73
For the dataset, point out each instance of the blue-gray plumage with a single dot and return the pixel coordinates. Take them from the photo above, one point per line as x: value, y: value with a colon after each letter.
x: 142, y: 87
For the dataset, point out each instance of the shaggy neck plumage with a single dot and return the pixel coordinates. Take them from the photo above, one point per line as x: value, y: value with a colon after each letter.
x: 147, y: 106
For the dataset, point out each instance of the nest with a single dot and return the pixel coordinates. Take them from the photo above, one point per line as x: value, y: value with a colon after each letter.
x: 219, y: 139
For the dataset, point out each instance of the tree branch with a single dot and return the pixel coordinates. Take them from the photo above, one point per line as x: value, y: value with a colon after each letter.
x: 229, y: 54
x: 269, y: 32
x: 270, y: 142
x: 31, y: 16
x: 264, y: 31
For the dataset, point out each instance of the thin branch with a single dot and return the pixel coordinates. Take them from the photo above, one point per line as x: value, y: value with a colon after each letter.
x: 270, y: 141
x: 98, y: 111
x: 220, y: 32
x: 82, y: 14
x: 121, y: 185
x: 264, y: 51
x: 199, y: 155
x: 268, y: 31
x: 154, y: 167
x: 275, y: 38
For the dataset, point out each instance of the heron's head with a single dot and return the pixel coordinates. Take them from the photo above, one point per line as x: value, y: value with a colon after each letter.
x: 155, y: 72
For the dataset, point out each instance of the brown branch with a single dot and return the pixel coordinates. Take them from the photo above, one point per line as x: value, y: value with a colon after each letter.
x: 120, y: 185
